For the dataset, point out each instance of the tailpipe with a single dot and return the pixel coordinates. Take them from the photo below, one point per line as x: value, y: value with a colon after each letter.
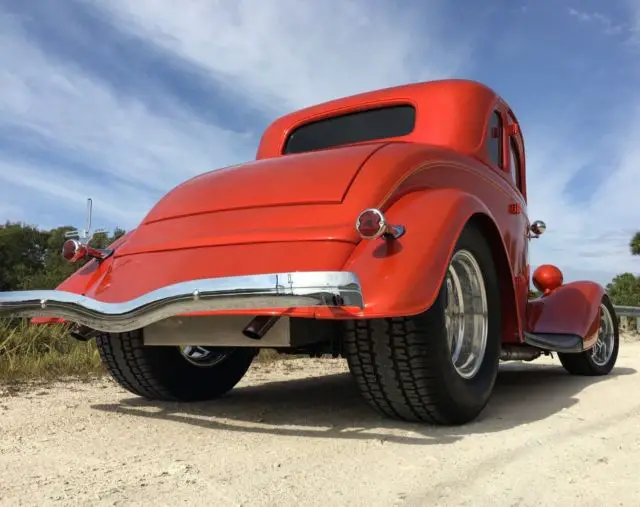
x: 519, y: 353
x: 83, y: 333
x: 259, y: 326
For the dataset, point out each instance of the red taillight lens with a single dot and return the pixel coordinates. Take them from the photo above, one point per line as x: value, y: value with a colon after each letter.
x: 69, y: 249
x: 370, y: 224
x: 72, y: 250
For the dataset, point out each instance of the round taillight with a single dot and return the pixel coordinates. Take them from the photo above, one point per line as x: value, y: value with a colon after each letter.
x: 370, y: 224
x: 72, y: 250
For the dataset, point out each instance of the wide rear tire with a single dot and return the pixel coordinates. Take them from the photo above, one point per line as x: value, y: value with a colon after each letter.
x: 165, y: 373
x: 602, y: 357
x: 404, y: 367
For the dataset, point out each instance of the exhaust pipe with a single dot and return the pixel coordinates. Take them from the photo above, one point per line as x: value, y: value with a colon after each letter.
x: 259, y: 326
x: 519, y: 353
x: 83, y: 333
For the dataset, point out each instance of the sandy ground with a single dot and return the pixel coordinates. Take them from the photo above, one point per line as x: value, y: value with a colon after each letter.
x: 296, y: 433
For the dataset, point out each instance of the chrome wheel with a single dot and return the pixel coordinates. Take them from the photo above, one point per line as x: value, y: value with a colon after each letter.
x: 203, y: 356
x: 466, y: 314
x: 602, y: 351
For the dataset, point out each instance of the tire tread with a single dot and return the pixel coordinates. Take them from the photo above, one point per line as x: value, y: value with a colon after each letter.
x: 402, y: 365
x: 394, y: 369
x: 161, y: 373
x: 128, y: 368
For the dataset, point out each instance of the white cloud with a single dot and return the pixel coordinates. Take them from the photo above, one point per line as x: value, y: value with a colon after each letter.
x: 138, y: 151
x: 69, y: 190
x: 277, y: 55
x: 592, y: 235
x: 11, y: 213
x: 280, y: 55
x: 605, y: 23
x: 286, y: 54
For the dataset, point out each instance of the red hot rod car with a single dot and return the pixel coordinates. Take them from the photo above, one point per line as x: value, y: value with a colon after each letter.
x: 389, y: 228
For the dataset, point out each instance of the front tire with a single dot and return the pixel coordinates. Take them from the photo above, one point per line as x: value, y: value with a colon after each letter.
x: 602, y: 357
x: 405, y: 367
x: 169, y: 373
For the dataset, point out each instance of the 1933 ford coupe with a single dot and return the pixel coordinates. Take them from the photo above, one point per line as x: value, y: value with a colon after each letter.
x: 389, y: 228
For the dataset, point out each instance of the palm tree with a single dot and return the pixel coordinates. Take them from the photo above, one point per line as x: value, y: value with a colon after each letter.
x: 634, y: 244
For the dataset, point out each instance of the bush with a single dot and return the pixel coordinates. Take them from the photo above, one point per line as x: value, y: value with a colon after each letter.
x: 624, y: 290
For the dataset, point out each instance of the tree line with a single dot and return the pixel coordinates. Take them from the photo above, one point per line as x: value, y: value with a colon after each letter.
x: 31, y: 259
x: 624, y: 289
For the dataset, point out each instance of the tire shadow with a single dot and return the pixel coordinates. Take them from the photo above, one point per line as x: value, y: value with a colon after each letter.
x: 331, y: 407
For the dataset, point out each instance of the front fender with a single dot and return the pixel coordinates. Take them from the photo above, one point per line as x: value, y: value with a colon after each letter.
x: 571, y: 309
x: 403, y: 277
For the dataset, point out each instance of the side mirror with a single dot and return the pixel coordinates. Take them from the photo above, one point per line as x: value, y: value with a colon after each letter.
x: 536, y: 229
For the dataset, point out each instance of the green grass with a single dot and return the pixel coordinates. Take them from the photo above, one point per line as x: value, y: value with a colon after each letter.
x: 48, y: 352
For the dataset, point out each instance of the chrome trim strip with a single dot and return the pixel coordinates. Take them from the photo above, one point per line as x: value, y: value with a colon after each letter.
x: 273, y: 291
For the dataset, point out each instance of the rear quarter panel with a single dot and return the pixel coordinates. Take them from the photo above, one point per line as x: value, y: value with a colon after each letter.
x: 433, y: 192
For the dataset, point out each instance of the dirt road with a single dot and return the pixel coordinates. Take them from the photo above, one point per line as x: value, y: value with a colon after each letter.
x: 285, y: 439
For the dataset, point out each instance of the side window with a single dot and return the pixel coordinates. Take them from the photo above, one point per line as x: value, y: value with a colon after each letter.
x: 514, y: 163
x: 494, y: 139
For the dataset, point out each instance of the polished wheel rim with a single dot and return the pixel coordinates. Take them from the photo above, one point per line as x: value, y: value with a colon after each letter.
x: 602, y: 351
x: 203, y: 356
x: 466, y: 314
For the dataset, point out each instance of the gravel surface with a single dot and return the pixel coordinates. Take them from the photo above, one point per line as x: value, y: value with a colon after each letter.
x: 296, y: 433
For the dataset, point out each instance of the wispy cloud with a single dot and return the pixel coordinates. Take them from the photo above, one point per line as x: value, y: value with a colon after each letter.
x: 122, y: 100
x: 590, y: 144
x: 605, y: 23
x: 78, y: 133
x: 287, y: 54
x: 59, y: 113
x: 591, y: 233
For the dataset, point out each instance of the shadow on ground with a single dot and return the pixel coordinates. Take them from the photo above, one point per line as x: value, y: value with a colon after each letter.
x: 331, y: 407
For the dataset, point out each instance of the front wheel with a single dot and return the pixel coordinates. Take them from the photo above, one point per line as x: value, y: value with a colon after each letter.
x: 440, y: 366
x: 601, y: 358
x: 172, y: 373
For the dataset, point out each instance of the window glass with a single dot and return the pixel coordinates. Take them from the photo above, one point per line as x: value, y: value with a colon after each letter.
x: 515, y: 162
x: 494, y: 139
x: 368, y: 125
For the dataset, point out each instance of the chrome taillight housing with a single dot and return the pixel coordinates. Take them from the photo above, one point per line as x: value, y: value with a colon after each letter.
x: 78, y: 248
x: 371, y: 224
x: 73, y: 250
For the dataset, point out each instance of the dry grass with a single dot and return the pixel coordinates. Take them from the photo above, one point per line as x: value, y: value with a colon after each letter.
x: 43, y: 353
x: 48, y: 352
x: 29, y: 352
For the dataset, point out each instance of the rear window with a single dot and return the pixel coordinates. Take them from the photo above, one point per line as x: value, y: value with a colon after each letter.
x: 368, y: 125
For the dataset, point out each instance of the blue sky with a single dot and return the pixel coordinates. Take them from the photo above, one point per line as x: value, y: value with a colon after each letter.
x: 121, y: 100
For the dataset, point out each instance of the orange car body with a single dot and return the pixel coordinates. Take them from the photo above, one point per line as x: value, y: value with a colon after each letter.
x: 464, y: 159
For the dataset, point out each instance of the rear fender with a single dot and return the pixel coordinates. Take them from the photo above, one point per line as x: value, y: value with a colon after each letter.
x: 571, y: 309
x: 403, y: 277
x: 85, y: 277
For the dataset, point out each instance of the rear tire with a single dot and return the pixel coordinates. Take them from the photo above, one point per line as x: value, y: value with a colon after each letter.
x: 403, y: 366
x: 164, y: 373
x: 602, y: 357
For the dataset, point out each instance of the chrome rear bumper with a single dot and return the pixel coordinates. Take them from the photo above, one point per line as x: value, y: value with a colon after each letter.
x: 268, y: 291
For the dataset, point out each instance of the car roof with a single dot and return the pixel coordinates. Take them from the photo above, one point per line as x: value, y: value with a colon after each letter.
x: 449, y: 112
